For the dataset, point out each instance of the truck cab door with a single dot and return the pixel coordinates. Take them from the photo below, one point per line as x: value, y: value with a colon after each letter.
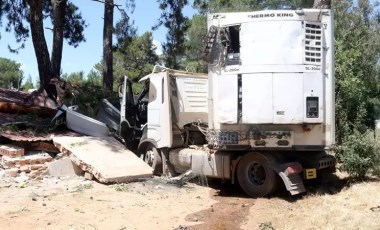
x: 159, y: 115
x: 128, y: 108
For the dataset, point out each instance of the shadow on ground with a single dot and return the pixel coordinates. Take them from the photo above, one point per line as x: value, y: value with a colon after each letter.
x: 325, y: 184
x: 232, y: 204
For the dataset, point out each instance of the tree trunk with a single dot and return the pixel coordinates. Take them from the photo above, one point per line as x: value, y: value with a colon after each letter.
x: 107, y: 45
x: 59, y: 11
x: 39, y: 41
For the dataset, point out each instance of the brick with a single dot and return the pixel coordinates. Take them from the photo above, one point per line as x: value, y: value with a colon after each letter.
x: 24, y: 162
x: 33, y: 174
x: 13, y: 172
x: 25, y: 168
x: 37, y: 161
x: 9, y: 162
x: 39, y: 158
x: 11, y: 151
x: 37, y: 167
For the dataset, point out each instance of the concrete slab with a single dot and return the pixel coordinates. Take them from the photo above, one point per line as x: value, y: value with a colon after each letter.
x: 104, y: 157
x: 64, y: 167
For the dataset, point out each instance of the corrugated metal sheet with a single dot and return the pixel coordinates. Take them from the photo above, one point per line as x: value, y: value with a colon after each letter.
x: 22, y: 136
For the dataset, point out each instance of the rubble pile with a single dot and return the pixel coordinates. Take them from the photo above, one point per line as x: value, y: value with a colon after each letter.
x: 35, y: 135
x: 14, y: 161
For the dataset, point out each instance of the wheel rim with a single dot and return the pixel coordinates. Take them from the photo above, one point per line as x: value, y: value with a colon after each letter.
x: 149, y: 157
x: 256, y: 174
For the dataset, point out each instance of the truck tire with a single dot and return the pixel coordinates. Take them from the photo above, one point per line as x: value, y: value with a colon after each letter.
x: 152, y: 157
x: 255, y: 176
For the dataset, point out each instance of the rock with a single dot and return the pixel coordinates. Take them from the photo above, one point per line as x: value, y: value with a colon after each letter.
x: 375, y: 209
x: 2, y: 173
x: 13, y: 172
x: 22, y: 178
x: 64, y: 167
x: 158, y: 187
x: 181, y: 227
x: 88, y: 176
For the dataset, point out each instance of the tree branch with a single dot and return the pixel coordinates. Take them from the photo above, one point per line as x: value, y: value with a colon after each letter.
x: 114, y: 5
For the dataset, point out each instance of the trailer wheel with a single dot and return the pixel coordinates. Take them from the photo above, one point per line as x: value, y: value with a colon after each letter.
x: 255, y: 176
x: 152, y: 157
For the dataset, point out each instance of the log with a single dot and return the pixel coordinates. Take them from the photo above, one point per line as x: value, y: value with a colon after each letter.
x: 11, y: 107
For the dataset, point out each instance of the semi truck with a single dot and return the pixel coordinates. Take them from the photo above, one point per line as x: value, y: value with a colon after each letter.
x: 263, y: 115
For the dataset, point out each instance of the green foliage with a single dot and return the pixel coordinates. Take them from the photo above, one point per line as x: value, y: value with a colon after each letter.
x: 76, y: 77
x: 89, y: 97
x: 195, y: 44
x: 125, y: 31
x: 215, y: 6
x: 357, y: 50
x: 359, y: 154
x: 27, y: 17
x: 74, y: 25
x: 135, y: 58
x: 80, y: 188
x: 121, y: 187
x: 94, y: 78
x: 176, y: 24
x: 11, y: 74
x: 87, y: 91
x: 17, y: 13
x: 28, y: 84
x: 134, y: 55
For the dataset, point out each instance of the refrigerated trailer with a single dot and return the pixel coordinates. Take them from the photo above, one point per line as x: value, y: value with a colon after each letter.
x: 264, y: 114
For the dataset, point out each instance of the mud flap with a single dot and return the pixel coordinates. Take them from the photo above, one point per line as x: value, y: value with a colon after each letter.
x: 294, y: 183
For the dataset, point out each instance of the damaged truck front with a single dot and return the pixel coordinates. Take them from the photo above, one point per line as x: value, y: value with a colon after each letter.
x: 264, y: 114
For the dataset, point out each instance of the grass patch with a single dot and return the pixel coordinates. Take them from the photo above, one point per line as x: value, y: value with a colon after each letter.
x: 121, y: 187
x: 77, y: 144
x: 82, y: 187
x: 266, y: 226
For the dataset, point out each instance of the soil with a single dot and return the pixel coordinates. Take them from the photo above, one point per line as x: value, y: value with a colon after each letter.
x: 74, y: 203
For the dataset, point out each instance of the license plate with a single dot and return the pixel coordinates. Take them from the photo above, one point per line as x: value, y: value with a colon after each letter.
x: 310, y: 174
x: 228, y: 138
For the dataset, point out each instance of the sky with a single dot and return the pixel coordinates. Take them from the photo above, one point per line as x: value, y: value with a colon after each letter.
x: 87, y: 54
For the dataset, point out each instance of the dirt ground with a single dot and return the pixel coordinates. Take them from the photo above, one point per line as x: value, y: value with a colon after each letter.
x: 73, y: 203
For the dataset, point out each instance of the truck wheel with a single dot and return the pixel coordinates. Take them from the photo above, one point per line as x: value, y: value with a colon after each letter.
x: 255, y: 176
x: 152, y: 157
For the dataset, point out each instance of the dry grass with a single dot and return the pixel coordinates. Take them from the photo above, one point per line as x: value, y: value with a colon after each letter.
x: 354, y: 207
